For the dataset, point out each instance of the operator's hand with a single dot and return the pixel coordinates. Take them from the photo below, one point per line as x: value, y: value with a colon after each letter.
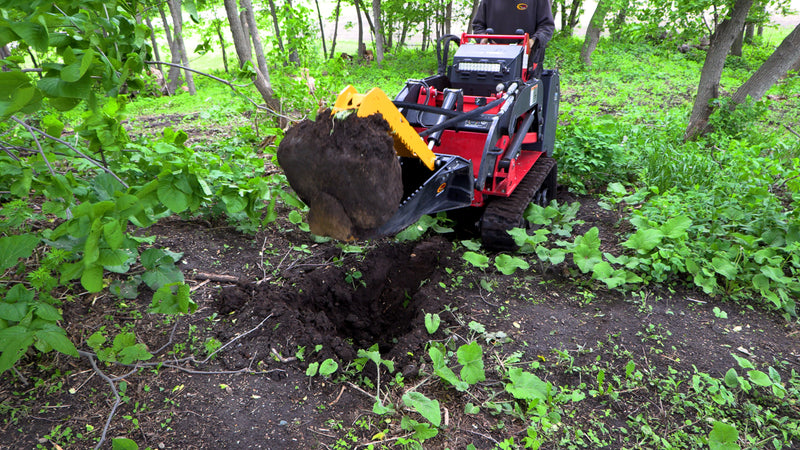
x: 483, y: 41
x: 531, y: 43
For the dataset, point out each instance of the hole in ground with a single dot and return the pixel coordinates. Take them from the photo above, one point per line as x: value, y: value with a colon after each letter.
x: 332, y: 306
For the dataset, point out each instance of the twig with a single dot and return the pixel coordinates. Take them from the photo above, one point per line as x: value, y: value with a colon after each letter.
x: 361, y: 390
x: 216, y: 277
x: 791, y: 130
x: 367, y: 444
x: 71, y: 147
x: 481, y: 435
x: 20, y: 376
x: 337, y: 397
x: 225, y: 82
x: 171, y: 335
x: 117, y: 398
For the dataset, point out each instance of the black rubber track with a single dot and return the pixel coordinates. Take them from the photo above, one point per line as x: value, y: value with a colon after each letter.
x: 505, y: 213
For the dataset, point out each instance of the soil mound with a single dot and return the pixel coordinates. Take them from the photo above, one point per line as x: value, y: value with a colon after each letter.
x: 346, y: 171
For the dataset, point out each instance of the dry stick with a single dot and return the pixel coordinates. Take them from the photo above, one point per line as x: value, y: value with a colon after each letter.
x: 225, y: 82
x: 791, y: 130
x: 81, y: 154
x: 113, y: 385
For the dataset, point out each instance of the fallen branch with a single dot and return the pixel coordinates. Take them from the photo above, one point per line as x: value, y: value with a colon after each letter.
x: 216, y: 277
x: 791, y: 130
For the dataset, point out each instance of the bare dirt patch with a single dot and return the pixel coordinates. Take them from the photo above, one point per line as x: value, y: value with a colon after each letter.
x: 286, y: 296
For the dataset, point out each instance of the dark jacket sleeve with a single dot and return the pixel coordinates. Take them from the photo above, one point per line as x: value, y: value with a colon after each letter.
x: 479, y: 22
x: 545, y: 25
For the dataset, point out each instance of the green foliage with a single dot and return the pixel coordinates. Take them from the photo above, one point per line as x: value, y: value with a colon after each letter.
x: 123, y: 349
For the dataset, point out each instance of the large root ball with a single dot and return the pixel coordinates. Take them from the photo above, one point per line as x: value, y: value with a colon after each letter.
x: 346, y: 171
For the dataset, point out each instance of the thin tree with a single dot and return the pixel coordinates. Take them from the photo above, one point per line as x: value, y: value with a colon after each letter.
x: 247, y: 9
x: 708, y: 88
x: 177, y: 26
x: 174, y: 73
x: 153, y: 42
x: 593, y: 31
x: 241, y: 43
x: 336, y: 13
x: 321, y: 28
x: 276, y: 24
x: 378, y: 30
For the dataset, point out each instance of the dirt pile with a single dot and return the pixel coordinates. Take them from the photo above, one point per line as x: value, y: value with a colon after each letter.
x: 346, y: 171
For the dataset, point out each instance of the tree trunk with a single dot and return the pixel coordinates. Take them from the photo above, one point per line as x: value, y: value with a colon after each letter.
x: 241, y: 44
x: 218, y: 27
x: 5, y: 53
x: 708, y: 88
x: 177, y: 25
x: 321, y: 29
x: 619, y: 21
x: 594, y: 30
x: 783, y: 59
x: 448, y: 17
x: 174, y: 73
x: 361, y: 46
x: 274, y: 13
x: 247, y: 6
x: 376, y: 12
x: 738, y: 43
x: 336, y: 27
x: 475, y: 4
x: 294, y: 57
x: 154, y: 43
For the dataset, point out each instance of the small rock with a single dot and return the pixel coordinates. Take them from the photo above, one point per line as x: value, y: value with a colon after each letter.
x: 283, y: 423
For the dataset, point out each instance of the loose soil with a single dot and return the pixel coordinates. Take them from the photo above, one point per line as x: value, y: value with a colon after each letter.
x: 268, y: 295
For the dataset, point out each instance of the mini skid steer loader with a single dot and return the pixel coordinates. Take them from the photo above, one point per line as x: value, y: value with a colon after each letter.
x: 478, y: 134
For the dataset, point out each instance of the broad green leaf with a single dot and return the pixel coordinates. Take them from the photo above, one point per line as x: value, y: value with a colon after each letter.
x: 312, y: 369
x: 133, y: 353
x: 162, y: 275
x: 760, y: 378
x: 422, y: 430
x: 732, y: 378
x: 444, y: 372
x: 16, y: 341
x: 124, y: 444
x: 675, y: 227
x: 644, y: 240
x: 743, y: 363
x: 92, y: 278
x: 476, y: 259
x: 328, y: 367
x: 724, y: 267
x: 167, y: 302
x: 172, y: 197
x: 432, y: 322
x: 47, y: 312
x: 470, y: 356
x: 12, y: 248
x: 56, y: 338
x: 429, y: 409
x: 526, y: 386
x: 32, y: 33
x: 723, y: 437
x: 508, y: 264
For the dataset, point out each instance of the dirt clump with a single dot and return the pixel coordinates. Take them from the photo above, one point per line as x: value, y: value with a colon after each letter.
x: 346, y: 171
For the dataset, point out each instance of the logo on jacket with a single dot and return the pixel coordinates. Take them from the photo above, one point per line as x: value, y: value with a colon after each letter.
x: 522, y: 6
